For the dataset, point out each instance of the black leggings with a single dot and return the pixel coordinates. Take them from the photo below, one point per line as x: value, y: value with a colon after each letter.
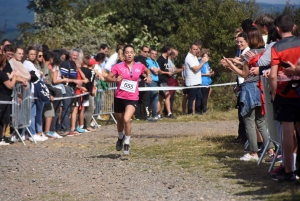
x: 203, y: 105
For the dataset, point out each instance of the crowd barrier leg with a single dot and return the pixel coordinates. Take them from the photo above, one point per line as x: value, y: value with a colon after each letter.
x: 270, y: 123
x: 111, y: 116
x: 107, y: 106
x: 95, y: 122
x: 19, y: 135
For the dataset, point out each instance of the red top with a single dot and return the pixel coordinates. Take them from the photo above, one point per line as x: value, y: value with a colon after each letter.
x: 287, y: 49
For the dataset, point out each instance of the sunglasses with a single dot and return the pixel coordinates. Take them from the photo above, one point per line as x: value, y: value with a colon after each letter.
x: 40, y: 55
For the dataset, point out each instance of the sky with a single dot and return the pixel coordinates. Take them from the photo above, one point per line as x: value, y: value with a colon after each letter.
x: 14, y: 12
x: 278, y: 1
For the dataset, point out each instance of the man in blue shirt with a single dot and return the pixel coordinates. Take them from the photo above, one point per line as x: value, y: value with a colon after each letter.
x: 154, y: 68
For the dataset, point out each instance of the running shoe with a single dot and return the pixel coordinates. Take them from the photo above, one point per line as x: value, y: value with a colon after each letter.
x: 92, y: 124
x: 285, y: 177
x: 90, y: 129
x: 8, y: 140
x: 171, y: 116
x: 36, y: 137
x: 72, y: 133
x: 79, y: 130
x: 50, y: 134
x: 119, y: 144
x: 271, y: 158
x: 63, y: 133
x: 277, y: 173
x: 248, y: 157
x: 2, y: 142
x: 44, y: 137
x: 126, y: 149
x: 151, y: 119
x: 57, y: 135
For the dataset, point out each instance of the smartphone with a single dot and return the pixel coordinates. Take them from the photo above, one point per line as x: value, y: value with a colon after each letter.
x: 285, y: 64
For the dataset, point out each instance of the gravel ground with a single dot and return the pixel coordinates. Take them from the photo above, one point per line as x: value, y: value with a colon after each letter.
x: 87, y: 167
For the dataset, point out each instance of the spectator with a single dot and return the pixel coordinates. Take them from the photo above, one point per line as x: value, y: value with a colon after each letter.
x: 154, y: 69
x: 104, y: 49
x: 6, y: 86
x: 163, y: 63
x: 144, y: 96
x: 206, y: 73
x: 88, y: 99
x: 264, y: 22
x: 3, y: 43
x: 68, y: 69
x: 37, y: 104
x: 113, y: 58
x: 286, y: 100
x: 193, y: 78
x: 250, y: 98
x: 172, y: 80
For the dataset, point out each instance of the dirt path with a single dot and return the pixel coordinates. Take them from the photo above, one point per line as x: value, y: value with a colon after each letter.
x: 87, y: 167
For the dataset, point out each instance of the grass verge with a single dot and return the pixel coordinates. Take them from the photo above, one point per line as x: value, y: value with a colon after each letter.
x: 216, y: 158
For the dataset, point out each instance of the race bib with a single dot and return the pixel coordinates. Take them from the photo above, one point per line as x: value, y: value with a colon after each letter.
x: 128, y: 85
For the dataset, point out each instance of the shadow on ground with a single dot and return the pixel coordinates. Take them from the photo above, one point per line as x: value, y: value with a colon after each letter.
x: 249, y: 174
x: 110, y: 156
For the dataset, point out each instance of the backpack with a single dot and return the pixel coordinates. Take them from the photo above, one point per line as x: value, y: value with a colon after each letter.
x: 41, y: 91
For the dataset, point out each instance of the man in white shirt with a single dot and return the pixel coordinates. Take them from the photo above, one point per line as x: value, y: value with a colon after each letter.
x: 193, y: 78
x: 113, y: 58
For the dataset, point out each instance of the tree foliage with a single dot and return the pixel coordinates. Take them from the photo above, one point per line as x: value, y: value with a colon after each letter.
x: 87, y: 23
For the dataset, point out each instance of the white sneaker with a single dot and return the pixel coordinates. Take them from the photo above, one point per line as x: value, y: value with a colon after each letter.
x: 92, y: 124
x: 87, y: 131
x: 44, y: 137
x: 36, y: 137
x: 14, y: 138
x: 56, y: 135
x: 248, y: 157
x: 3, y: 143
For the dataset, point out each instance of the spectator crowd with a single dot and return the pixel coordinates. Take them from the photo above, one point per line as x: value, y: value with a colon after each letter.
x: 266, y: 64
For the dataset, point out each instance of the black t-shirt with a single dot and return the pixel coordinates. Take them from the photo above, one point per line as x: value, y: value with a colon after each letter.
x: 142, y: 60
x: 4, y: 91
x: 164, y: 66
x: 7, y: 68
x: 90, y: 76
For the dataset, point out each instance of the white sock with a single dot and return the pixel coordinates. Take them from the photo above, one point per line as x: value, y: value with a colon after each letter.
x: 169, y: 114
x: 294, y: 162
x: 121, y: 134
x: 127, y: 140
x: 81, y: 126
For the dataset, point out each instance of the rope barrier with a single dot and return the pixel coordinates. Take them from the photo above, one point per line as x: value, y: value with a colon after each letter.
x: 140, y: 89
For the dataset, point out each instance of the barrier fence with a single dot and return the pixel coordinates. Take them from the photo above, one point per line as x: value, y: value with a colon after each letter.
x: 104, y: 102
x: 21, y: 109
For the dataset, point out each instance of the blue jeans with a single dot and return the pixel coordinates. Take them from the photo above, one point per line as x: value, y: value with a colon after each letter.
x: 194, y: 93
x: 153, y: 98
x: 67, y: 108
x: 32, y: 118
x: 39, y: 115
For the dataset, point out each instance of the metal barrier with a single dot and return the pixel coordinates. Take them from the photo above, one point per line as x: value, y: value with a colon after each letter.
x: 273, y: 126
x: 104, y: 102
x: 21, y: 109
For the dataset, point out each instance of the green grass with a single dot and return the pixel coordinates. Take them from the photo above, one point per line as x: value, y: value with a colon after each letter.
x: 216, y: 157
